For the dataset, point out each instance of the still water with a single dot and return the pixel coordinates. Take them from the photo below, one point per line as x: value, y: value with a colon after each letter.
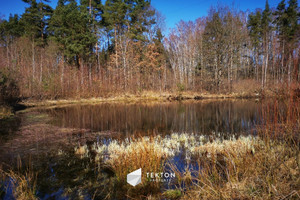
x: 39, y: 136
x: 190, y: 117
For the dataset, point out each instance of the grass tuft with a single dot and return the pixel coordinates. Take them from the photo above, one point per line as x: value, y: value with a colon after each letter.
x: 22, y: 184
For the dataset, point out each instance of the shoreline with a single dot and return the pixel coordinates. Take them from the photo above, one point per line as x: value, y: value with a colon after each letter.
x: 149, y: 97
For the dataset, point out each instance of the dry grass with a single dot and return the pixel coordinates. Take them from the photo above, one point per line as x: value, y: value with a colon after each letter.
x: 268, y: 168
x: 22, y: 184
x: 247, y: 87
x: 266, y: 172
x: 143, y: 154
x: 149, y: 96
x: 151, y: 153
x: 145, y: 96
x: 237, y: 168
x: 127, y: 156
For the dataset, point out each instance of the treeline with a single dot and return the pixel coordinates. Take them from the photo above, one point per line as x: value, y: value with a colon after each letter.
x: 97, y: 49
x: 227, y: 46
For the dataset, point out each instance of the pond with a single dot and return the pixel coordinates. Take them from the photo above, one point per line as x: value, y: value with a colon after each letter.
x: 45, y: 138
x: 191, y: 117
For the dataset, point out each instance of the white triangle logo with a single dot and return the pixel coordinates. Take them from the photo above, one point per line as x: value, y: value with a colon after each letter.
x: 135, y: 177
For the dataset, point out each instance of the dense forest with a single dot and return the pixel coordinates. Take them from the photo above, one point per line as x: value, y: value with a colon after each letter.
x: 92, y: 49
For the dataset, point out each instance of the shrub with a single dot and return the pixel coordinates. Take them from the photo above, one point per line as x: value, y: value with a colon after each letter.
x: 9, y: 91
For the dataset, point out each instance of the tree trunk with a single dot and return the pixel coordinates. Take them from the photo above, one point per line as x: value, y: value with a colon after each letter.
x: 41, y: 67
x: 266, y: 65
x: 33, y: 60
x: 62, y: 75
x: 116, y: 47
x: 7, y: 53
x: 262, y: 71
x: 289, y: 69
x: 282, y: 62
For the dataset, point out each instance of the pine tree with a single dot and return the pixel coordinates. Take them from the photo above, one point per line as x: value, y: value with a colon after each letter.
x: 281, y: 19
x: 287, y: 22
x: 114, y: 14
x: 281, y: 24
x: 35, y: 20
x: 95, y: 10
x: 129, y: 17
x: 9, y: 31
x: 140, y: 15
x: 214, y: 46
x: 70, y: 28
x: 113, y: 19
x: 287, y: 27
x: 292, y: 19
x: 292, y: 33
x: 94, y: 7
x: 254, y: 25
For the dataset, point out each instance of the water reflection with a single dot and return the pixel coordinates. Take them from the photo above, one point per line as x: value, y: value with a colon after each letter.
x: 8, y: 127
x: 197, y: 117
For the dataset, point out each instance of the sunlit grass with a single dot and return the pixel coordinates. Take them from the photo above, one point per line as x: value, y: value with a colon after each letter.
x: 151, y: 153
x: 245, y: 167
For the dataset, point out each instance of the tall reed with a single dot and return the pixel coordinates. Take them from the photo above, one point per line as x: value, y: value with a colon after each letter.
x: 22, y: 182
x: 269, y: 171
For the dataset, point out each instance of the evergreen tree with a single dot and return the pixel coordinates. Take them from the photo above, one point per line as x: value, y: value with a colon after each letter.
x: 214, y: 46
x: 35, y: 20
x: 94, y: 7
x: 266, y: 19
x: 159, y: 47
x: 254, y: 25
x: 281, y: 20
x: 95, y: 10
x: 287, y: 21
x: 140, y: 17
x: 127, y: 16
x: 292, y: 20
x: 11, y: 29
x: 114, y: 15
x: 70, y: 28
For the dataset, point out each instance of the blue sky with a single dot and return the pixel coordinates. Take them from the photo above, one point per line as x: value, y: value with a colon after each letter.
x: 173, y: 10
